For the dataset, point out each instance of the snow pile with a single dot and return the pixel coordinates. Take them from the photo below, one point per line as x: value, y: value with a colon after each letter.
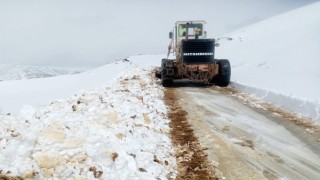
x: 115, y: 132
x: 278, y: 59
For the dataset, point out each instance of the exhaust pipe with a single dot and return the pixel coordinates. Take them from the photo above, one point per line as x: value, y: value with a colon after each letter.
x: 187, y: 31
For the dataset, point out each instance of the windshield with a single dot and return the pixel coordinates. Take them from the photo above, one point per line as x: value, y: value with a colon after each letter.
x: 193, y: 29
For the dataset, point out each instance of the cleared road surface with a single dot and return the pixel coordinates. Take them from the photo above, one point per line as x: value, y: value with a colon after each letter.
x: 249, y: 142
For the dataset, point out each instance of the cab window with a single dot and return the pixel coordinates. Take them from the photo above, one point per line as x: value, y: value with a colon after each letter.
x: 192, y: 29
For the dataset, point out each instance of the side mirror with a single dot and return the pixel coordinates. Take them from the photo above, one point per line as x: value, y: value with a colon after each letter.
x: 170, y: 35
x: 205, y: 34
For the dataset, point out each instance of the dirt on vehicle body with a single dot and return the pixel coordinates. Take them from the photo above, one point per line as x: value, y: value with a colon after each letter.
x: 194, y: 57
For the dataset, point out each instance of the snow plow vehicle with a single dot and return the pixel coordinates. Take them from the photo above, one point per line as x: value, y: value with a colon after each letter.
x: 194, y: 57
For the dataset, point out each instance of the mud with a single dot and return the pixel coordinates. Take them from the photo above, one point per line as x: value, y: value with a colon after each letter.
x: 247, y: 138
x: 8, y: 177
x: 192, y: 161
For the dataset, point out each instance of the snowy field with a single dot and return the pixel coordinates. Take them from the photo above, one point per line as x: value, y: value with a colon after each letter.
x: 20, y: 72
x: 37, y: 92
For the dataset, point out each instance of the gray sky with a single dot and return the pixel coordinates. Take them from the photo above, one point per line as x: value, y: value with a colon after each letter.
x: 89, y: 33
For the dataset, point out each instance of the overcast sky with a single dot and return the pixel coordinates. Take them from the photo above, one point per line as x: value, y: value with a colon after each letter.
x: 89, y: 33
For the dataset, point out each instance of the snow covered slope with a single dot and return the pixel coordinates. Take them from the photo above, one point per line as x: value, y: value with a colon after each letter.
x: 279, y: 59
x: 19, y: 72
x: 36, y: 92
x: 14, y: 95
x: 119, y: 130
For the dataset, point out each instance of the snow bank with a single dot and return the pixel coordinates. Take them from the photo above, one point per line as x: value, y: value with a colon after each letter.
x: 278, y: 59
x: 118, y: 131
x: 39, y: 92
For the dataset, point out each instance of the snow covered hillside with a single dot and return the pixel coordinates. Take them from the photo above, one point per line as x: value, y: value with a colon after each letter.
x: 279, y: 59
x: 19, y: 72
x: 103, y: 133
x: 36, y: 92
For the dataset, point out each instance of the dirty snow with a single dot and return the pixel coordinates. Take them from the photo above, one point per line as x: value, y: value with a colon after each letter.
x: 118, y: 131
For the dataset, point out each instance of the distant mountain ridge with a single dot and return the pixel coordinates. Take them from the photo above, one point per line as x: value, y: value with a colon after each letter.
x: 20, y: 72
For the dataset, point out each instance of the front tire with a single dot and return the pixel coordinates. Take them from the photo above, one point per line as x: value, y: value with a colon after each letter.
x: 224, y: 75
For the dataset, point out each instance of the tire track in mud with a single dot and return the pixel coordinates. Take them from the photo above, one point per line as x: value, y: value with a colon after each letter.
x: 223, y: 127
x: 229, y: 162
x: 192, y: 161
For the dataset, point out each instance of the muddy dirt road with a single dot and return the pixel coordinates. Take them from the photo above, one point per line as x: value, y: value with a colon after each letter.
x: 250, y: 142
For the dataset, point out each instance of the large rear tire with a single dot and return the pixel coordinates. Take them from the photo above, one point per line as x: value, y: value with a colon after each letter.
x: 224, y: 75
x: 165, y: 80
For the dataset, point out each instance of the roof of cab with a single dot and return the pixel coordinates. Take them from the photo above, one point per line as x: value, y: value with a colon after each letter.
x: 191, y: 21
